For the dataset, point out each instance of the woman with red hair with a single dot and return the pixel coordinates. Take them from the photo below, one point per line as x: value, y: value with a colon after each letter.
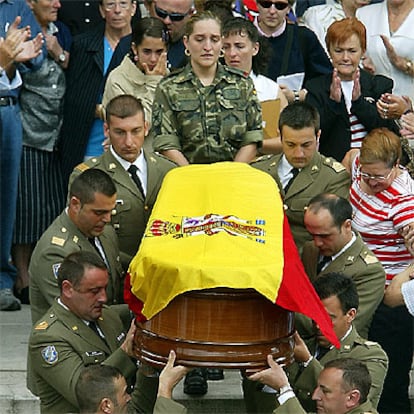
x: 346, y: 98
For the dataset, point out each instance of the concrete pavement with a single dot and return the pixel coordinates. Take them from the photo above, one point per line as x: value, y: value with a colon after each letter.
x: 223, y: 397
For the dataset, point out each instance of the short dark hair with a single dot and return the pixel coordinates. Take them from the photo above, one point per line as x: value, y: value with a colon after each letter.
x: 95, y: 383
x: 355, y: 375
x: 74, y: 265
x: 299, y: 115
x: 338, y: 207
x: 88, y: 183
x: 245, y: 28
x: 339, y: 285
x: 149, y: 27
x: 123, y: 106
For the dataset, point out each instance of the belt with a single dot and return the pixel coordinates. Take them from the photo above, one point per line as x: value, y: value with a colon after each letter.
x: 8, y: 100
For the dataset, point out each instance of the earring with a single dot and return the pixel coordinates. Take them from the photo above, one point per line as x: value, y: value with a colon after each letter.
x: 187, y: 52
x: 136, y: 58
x: 221, y: 53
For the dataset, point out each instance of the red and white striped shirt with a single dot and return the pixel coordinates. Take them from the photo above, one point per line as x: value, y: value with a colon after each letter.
x: 379, y: 218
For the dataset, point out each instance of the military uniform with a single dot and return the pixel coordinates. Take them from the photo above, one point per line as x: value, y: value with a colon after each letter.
x: 322, y: 175
x: 363, y: 267
x: 132, y: 211
x: 292, y: 406
x: 304, y: 380
x: 61, y: 344
x: 60, y: 239
x: 206, y: 123
x: 168, y: 406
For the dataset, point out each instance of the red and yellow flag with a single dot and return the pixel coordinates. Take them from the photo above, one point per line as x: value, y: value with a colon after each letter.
x: 221, y: 225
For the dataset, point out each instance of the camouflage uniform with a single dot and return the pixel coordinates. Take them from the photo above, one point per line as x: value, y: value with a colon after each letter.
x: 207, y: 124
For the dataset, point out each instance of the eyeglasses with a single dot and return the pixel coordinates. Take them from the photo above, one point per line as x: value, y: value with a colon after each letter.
x: 112, y: 4
x: 175, y: 17
x: 380, y: 178
x: 279, y: 5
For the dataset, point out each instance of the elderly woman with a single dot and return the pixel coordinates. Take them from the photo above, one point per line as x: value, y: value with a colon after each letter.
x: 390, y: 42
x: 346, y: 99
x: 40, y: 188
x: 382, y: 197
x: 206, y: 112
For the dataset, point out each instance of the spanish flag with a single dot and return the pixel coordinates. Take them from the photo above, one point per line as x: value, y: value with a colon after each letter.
x: 221, y: 225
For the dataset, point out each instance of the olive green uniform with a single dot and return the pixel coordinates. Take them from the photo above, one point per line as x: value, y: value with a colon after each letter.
x: 322, y: 175
x: 206, y: 123
x: 132, y: 211
x: 60, y: 239
x: 166, y: 405
x: 61, y: 344
x: 359, y: 263
x: 304, y: 380
x: 292, y: 406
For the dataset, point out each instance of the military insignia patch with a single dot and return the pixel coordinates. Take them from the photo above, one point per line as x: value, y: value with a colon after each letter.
x: 58, y: 241
x: 41, y: 326
x: 50, y: 355
x: 55, y: 268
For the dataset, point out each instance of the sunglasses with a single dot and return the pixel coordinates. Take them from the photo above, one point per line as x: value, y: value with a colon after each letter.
x: 175, y: 17
x: 268, y: 4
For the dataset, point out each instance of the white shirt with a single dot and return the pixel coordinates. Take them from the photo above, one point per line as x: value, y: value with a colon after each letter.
x: 267, y: 89
x: 284, y: 171
x: 375, y: 19
x: 140, y: 163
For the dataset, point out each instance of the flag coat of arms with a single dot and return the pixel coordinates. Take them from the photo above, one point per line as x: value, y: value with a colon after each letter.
x: 221, y: 225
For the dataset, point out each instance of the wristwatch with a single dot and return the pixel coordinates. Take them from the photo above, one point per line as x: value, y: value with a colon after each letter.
x: 62, y: 57
x: 296, y: 96
x: 408, y: 66
x: 284, y: 389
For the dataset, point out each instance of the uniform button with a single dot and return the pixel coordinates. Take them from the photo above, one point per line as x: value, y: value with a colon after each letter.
x: 96, y: 360
x: 87, y: 4
x: 146, y: 208
x: 87, y: 20
x: 113, y: 212
x: 64, y: 230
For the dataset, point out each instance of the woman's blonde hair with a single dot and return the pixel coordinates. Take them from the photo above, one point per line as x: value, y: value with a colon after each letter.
x: 380, y: 145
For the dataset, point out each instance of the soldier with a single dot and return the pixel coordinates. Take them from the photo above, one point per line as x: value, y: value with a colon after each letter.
x: 342, y: 388
x: 340, y: 299
x: 102, y: 389
x: 126, y: 128
x: 78, y: 330
x: 80, y: 227
x: 206, y: 112
x: 301, y: 171
x: 336, y: 248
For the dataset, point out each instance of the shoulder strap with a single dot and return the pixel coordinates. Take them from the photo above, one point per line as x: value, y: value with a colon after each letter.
x: 286, y: 52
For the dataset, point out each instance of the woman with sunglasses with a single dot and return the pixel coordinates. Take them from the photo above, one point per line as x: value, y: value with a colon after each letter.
x: 143, y: 68
x: 206, y: 112
x: 243, y: 49
x: 346, y: 97
x: 296, y: 54
x: 382, y: 197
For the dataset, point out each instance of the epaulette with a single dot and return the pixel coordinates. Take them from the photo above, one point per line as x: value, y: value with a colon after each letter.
x: 61, y: 237
x: 368, y: 257
x: 335, y: 165
x: 152, y: 157
x: 236, y: 71
x: 47, y: 321
x: 370, y: 343
x: 82, y: 167
x: 262, y: 158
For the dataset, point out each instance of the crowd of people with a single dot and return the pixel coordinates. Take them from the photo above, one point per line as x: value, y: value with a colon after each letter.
x: 99, y: 100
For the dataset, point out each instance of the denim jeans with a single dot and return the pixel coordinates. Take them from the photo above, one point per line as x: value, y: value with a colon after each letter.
x: 10, y: 154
